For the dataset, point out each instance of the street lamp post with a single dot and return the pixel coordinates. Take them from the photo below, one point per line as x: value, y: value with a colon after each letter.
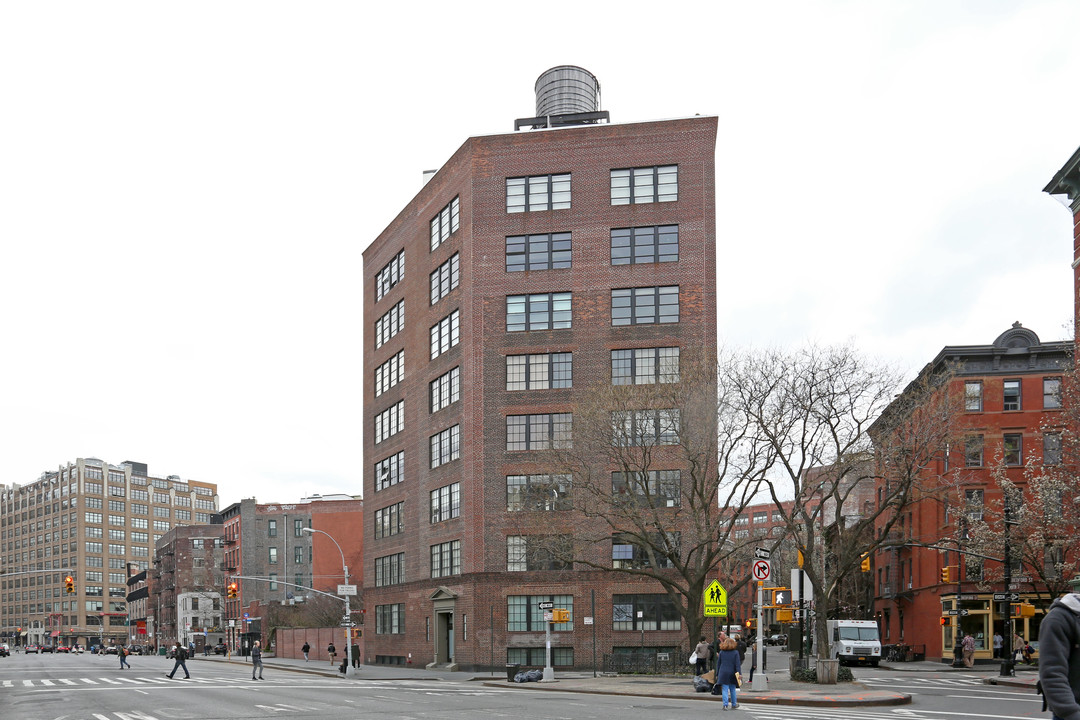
x: 348, y: 608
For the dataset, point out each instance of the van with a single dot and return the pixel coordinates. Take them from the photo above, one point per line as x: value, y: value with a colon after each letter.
x: 854, y: 641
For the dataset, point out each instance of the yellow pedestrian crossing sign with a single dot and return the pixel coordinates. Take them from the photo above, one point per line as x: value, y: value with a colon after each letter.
x: 715, y: 600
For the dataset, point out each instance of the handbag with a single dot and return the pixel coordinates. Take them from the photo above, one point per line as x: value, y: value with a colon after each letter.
x: 738, y: 680
x: 693, y: 658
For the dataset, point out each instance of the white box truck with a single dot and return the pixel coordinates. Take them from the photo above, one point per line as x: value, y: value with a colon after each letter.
x: 854, y: 641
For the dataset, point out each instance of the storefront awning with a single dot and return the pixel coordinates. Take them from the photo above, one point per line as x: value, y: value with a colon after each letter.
x: 23, y: 633
x: 54, y: 633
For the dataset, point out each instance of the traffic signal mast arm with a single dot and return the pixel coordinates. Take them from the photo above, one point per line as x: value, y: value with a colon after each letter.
x: 282, y: 582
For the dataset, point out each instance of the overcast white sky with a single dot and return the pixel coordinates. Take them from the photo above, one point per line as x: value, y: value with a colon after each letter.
x: 186, y: 190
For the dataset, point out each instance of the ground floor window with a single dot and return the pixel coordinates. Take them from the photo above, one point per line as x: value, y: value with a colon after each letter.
x: 645, y: 612
x: 536, y: 656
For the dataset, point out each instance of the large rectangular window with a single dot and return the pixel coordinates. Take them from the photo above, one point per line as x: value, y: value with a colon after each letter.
x: 389, y: 276
x: 1051, y: 393
x: 445, y: 446
x: 973, y: 451
x: 390, y: 619
x: 390, y: 570
x: 645, y: 366
x: 644, y: 612
x: 390, y: 422
x: 445, y: 334
x: 538, y: 252
x: 537, y: 656
x: 1011, y: 395
x: 445, y: 224
x: 390, y: 520
x: 626, y: 553
x: 973, y: 396
x: 632, y: 186
x: 445, y: 389
x: 543, y: 311
x: 656, y: 244
x: 390, y: 324
x: 539, y: 432
x: 538, y: 492
x: 446, y: 559
x: 1052, y: 448
x: 523, y: 613
x: 446, y: 503
x: 645, y: 427
x: 538, y: 192
x: 542, y: 371
x: 645, y: 306
x: 538, y: 552
x: 389, y: 471
x: 1013, y: 449
x: 445, y: 278
x: 390, y: 373
x: 653, y: 488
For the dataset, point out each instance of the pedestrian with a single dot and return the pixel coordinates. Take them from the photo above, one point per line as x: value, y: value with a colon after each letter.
x: 179, y: 656
x: 306, y: 649
x: 753, y: 660
x: 969, y: 650
x: 704, y: 654
x: 740, y: 647
x: 332, y: 652
x: 355, y: 655
x: 715, y: 646
x: 123, y: 653
x: 998, y: 643
x: 727, y: 668
x: 1059, y: 657
x: 256, y: 660
x: 1018, y: 644
x: 206, y: 649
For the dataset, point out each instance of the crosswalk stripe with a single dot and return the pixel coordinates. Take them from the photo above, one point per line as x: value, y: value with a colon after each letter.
x: 47, y: 682
x: 28, y: 683
x: 88, y: 681
x: 8, y: 683
x: 67, y: 682
x: 110, y: 681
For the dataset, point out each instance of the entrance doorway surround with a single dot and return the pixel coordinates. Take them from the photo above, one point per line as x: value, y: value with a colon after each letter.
x: 443, y: 602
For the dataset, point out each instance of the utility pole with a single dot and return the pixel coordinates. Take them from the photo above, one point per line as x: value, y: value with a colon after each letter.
x: 1006, y: 646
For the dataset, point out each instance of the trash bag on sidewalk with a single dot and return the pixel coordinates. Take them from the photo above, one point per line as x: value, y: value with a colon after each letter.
x: 701, y: 684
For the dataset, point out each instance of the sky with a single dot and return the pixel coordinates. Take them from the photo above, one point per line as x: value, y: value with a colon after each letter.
x: 186, y: 190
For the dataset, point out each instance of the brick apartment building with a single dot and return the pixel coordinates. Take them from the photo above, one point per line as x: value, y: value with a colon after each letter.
x: 270, y: 542
x: 1066, y: 183
x: 186, y: 592
x: 530, y: 268
x: 94, y: 521
x: 1012, y: 402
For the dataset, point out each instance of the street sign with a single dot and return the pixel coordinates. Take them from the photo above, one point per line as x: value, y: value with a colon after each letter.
x: 1006, y: 597
x: 348, y: 624
x: 715, y: 600
x: 588, y: 620
x: 762, y: 570
x: 957, y: 612
x: 546, y: 605
x: 346, y: 589
x: 761, y: 553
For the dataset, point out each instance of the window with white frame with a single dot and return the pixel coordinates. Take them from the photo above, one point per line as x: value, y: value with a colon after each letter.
x: 1011, y: 395
x: 1012, y: 448
x: 445, y: 446
x: 445, y: 278
x: 445, y: 334
x: 445, y: 503
x: 549, y: 251
x: 538, y: 192
x: 632, y: 186
x: 544, y: 431
x: 540, y: 371
x: 973, y: 451
x: 390, y: 421
x: 541, y: 311
x: 654, y: 244
x: 1052, y: 448
x: 1051, y: 393
x: 445, y: 223
x: 973, y: 396
x: 390, y: 373
x: 645, y: 306
x: 389, y: 276
x: 390, y: 324
x: 645, y: 366
x: 445, y: 389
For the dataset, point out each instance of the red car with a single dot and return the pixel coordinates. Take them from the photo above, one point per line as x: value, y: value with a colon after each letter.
x: 63, y: 648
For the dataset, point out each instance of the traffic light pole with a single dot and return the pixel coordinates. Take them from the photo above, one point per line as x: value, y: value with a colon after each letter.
x: 760, y: 682
x: 1006, y: 645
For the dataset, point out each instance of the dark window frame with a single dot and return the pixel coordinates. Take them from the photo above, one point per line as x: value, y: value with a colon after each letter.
x: 651, y: 244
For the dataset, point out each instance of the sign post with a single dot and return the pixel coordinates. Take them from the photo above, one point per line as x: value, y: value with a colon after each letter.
x: 549, y: 671
x: 715, y: 600
x: 759, y: 683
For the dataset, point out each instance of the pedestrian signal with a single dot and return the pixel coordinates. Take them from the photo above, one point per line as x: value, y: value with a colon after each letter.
x: 945, y: 622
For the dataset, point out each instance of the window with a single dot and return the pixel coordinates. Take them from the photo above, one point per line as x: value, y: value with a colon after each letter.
x: 445, y: 334
x: 539, y: 192
x: 390, y: 324
x: 645, y: 427
x: 389, y: 471
x: 1011, y: 395
x: 537, y: 656
x: 544, y: 311
x: 445, y: 389
x: 390, y: 421
x: 390, y: 619
x: 446, y: 559
x: 271, y: 528
x: 645, y: 306
x: 538, y: 252
x: 538, y: 492
x: 92, y: 517
x: 645, y: 366
x: 1012, y: 449
x: 445, y: 446
x: 973, y: 451
x: 390, y: 520
x: 1051, y: 393
x: 523, y: 613
x: 444, y: 278
x: 389, y: 276
x: 658, y: 612
x: 538, y: 552
x: 298, y: 554
x: 628, y: 554
x: 272, y: 555
x: 973, y: 504
x: 632, y: 186
x: 973, y: 396
x: 1052, y: 448
x: 446, y: 503
x: 390, y: 570
x: 539, y: 432
x: 544, y: 371
x: 654, y: 488
x: 445, y: 224
x: 657, y: 244
x: 298, y: 528
x: 390, y: 373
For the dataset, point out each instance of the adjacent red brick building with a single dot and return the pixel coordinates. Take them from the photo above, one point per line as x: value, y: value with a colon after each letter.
x: 529, y: 266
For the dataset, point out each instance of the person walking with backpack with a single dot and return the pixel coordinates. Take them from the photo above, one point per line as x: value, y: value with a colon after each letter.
x: 1059, y: 658
x: 332, y: 652
x: 179, y: 656
x: 306, y: 649
x: 123, y: 653
x: 256, y: 660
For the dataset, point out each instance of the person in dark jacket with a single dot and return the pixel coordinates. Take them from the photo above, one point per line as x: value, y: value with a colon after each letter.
x: 1059, y: 657
x: 727, y: 664
x: 740, y: 647
x: 704, y: 653
x: 179, y: 656
x: 332, y: 652
x: 306, y: 649
x: 256, y: 660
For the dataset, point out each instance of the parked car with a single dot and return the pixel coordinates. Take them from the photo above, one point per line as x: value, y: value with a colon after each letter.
x: 47, y: 649
x: 111, y: 650
x: 76, y: 648
x: 4, y: 651
x: 777, y: 639
x: 62, y: 649
x: 32, y: 649
x: 220, y: 649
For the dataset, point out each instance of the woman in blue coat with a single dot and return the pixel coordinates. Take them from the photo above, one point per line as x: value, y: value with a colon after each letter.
x: 727, y: 664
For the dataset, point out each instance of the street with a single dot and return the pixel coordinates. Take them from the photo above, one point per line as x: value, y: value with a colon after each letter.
x: 89, y: 687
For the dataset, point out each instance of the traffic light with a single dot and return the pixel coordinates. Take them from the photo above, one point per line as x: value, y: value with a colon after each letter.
x: 232, y: 591
x: 946, y: 621
x: 747, y: 624
x: 69, y: 585
x: 946, y: 574
x: 865, y: 565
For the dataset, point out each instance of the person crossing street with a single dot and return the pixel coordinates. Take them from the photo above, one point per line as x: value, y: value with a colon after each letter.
x: 256, y: 660
x: 179, y: 656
